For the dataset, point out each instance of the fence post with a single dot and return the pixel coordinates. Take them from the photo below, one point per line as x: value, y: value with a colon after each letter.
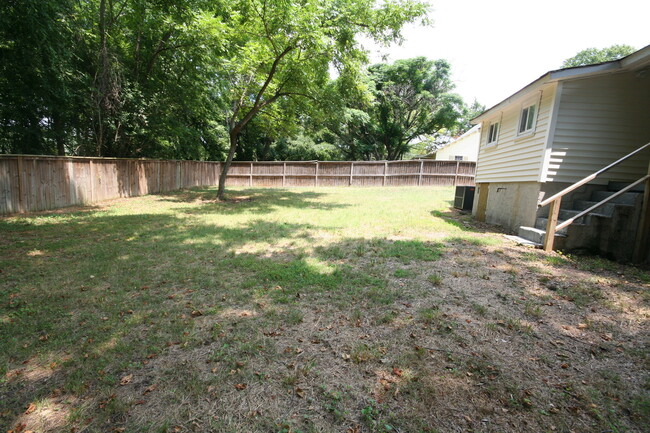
x: 317, y: 167
x: 21, y: 186
x: 92, y: 182
x: 456, y: 175
x: 284, y: 174
x: 351, y: 172
x: 553, y: 214
x: 383, y: 183
x: 250, y: 178
x: 421, y: 171
x: 179, y: 175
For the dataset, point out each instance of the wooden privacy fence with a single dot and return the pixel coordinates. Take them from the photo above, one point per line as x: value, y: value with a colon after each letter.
x: 33, y: 183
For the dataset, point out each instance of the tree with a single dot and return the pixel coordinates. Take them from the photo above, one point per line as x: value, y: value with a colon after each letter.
x: 596, y: 55
x: 279, y: 50
x: 110, y: 78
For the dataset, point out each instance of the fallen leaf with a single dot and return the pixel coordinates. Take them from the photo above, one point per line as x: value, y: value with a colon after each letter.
x: 30, y: 409
x: 126, y: 379
x: 241, y: 386
x: 150, y: 389
x: 397, y: 372
x: 300, y: 392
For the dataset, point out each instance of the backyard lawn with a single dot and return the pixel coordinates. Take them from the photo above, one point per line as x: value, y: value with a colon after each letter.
x: 311, y: 310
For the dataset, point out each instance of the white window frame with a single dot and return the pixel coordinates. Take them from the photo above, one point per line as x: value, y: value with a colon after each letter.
x: 495, y: 139
x: 527, y: 120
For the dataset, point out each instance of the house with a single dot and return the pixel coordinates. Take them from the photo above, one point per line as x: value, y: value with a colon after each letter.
x: 463, y: 148
x: 559, y: 129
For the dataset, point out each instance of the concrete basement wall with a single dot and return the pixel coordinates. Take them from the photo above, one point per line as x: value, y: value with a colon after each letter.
x: 509, y: 204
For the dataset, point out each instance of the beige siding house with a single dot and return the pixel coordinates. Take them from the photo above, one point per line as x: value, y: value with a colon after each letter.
x: 464, y: 148
x: 559, y: 129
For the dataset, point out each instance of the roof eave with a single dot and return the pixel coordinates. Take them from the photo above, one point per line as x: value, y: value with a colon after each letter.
x: 629, y: 62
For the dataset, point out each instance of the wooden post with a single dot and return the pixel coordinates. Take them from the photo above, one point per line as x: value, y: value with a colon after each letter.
x: 250, y: 178
x: 643, y: 230
x: 383, y: 183
x: 21, y: 186
x: 553, y: 214
x: 351, y: 172
x: 456, y: 175
x: 92, y: 182
x: 179, y: 175
x: 70, y: 180
x: 421, y: 171
x: 284, y: 174
x: 317, y: 168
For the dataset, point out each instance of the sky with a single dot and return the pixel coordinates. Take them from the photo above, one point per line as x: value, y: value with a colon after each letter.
x: 497, y: 47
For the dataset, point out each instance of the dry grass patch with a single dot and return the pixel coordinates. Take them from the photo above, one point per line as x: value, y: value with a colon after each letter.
x: 311, y: 311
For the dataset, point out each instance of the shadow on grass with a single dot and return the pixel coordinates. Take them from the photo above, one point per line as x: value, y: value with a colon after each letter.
x: 256, y: 201
x: 87, y: 298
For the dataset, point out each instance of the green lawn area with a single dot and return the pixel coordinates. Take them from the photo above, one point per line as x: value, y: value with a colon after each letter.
x: 305, y: 310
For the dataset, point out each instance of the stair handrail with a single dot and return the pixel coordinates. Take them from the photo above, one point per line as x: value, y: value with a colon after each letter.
x: 589, y: 178
x: 570, y: 221
x: 556, y: 199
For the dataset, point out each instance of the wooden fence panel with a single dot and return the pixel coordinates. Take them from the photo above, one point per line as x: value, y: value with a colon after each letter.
x: 33, y: 183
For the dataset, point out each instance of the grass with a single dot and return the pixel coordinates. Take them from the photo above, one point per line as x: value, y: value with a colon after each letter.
x: 293, y: 310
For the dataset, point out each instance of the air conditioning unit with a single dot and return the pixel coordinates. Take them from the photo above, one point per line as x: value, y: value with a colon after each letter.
x: 464, y: 197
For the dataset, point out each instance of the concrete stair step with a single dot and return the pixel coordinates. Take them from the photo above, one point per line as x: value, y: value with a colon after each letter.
x: 535, y: 235
x: 523, y: 241
x: 532, y: 234
x: 540, y: 223
x: 617, y: 186
x: 606, y: 210
x: 565, y: 214
x: 627, y: 198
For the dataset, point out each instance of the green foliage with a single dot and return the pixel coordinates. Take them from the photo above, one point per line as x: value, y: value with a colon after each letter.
x: 196, y: 79
x: 396, y: 105
x: 598, y: 55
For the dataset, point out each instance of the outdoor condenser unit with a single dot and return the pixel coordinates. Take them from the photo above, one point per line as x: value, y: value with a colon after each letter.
x: 464, y: 197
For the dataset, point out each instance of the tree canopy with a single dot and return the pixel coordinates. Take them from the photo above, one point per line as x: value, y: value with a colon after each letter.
x: 216, y: 79
x: 590, y: 56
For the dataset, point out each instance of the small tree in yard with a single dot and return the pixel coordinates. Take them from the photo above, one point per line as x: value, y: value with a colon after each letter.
x: 282, y: 49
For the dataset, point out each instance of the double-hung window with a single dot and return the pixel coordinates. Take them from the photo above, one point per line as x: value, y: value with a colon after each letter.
x: 527, y: 118
x: 493, y: 133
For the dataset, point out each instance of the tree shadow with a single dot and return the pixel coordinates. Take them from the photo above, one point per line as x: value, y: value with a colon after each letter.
x: 152, y: 275
x: 256, y: 201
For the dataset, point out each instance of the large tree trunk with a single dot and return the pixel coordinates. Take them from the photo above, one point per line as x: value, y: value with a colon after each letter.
x: 234, y: 136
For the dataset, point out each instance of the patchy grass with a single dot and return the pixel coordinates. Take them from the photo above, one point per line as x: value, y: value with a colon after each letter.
x: 310, y: 310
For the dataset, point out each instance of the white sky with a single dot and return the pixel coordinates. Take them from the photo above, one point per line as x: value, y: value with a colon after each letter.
x: 497, y: 47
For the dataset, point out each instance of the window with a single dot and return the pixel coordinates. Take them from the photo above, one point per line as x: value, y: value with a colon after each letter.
x: 493, y: 133
x: 527, y: 119
x: 458, y: 157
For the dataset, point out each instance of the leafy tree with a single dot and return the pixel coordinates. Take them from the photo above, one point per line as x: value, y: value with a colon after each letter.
x: 468, y: 113
x: 413, y: 99
x: 37, y: 77
x: 110, y: 78
x: 596, y: 55
x: 280, y: 50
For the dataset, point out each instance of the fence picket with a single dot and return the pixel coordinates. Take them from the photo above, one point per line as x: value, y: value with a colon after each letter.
x: 33, y: 183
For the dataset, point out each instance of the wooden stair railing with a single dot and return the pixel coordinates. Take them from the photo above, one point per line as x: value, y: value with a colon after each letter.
x: 555, y: 201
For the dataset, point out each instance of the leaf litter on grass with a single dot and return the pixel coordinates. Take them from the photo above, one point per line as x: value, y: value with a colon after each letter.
x: 320, y: 333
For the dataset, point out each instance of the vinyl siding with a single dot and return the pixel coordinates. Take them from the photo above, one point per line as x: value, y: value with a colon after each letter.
x: 516, y: 158
x: 600, y: 120
x: 467, y: 147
